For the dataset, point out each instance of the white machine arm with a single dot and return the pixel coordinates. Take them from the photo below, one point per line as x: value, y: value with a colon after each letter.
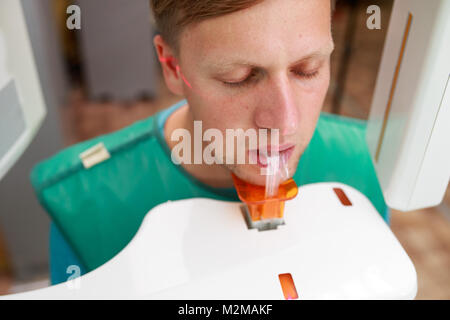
x: 22, y: 108
x: 408, y: 133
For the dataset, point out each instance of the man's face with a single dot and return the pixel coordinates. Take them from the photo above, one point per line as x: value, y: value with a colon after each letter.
x: 266, y: 67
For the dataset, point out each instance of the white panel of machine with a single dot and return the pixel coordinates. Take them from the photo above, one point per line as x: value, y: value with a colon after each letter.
x: 18, y: 75
x: 432, y: 179
x: 408, y: 130
x: 202, y: 249
x: 12, y: 119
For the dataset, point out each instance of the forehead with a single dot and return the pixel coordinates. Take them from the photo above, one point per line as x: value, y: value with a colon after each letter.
x: 271, y: 30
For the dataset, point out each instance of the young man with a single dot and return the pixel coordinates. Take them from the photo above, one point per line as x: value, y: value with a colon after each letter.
x: 245, y: 64
x: 240, y: 64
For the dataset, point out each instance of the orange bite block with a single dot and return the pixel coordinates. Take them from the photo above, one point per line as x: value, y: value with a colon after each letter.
x: 259, y: 206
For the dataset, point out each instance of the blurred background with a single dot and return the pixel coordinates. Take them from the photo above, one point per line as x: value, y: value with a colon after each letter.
x: 105, y: 76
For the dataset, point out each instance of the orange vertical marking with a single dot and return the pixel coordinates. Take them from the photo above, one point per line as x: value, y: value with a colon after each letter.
x: 393, y: 86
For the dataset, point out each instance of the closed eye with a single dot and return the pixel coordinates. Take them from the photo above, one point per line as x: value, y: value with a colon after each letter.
x: 306, y: 75
x: 251, y: 78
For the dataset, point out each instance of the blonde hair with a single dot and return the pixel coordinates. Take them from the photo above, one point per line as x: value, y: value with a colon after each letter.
x: 171, y: 16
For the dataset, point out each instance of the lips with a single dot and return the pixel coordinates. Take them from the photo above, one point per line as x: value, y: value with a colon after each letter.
x: 284, y: 152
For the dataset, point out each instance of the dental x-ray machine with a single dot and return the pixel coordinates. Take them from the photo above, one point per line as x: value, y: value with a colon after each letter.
x: 333, y: 243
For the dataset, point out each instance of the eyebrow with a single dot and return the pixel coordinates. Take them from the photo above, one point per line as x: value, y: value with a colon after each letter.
x: 324, y: 52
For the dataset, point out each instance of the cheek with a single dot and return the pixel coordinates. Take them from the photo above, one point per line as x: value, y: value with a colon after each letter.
x: 316, y: 91
x: 225, y: 113
x: 313, y: 100
x: 311, y: 103
x: 218, y: 115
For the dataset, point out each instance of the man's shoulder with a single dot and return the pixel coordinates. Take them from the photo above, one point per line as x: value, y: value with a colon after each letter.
x: 338, y: 131
x: 327, y: 121
x: 70, y: 160
x: 338, y: 143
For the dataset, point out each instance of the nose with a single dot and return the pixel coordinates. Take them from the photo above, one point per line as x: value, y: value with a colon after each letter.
x: 278, y: 109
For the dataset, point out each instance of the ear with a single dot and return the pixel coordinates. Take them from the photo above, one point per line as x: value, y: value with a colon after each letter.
x: 169, y: 65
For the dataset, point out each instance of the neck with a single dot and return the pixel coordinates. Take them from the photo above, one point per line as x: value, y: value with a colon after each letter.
x: 214, y: 175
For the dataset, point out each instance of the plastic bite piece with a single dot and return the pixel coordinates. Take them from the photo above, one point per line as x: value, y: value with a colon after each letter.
x: 260, y: 206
